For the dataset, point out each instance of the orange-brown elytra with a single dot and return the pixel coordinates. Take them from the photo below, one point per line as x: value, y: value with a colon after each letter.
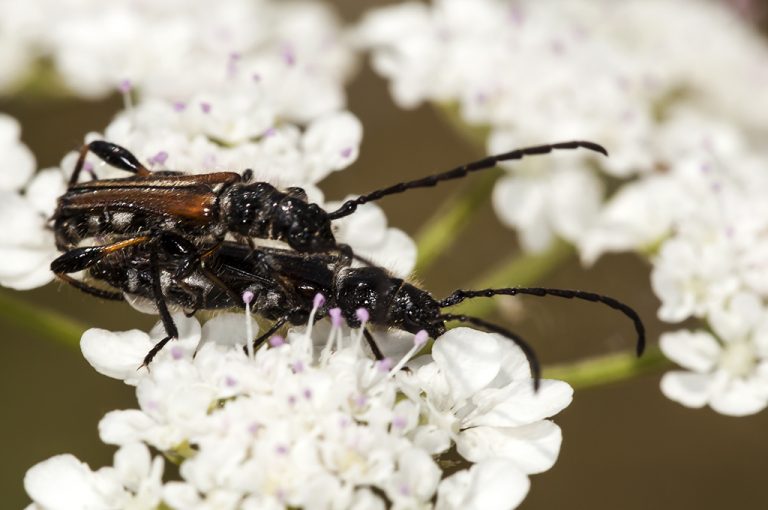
x: 205, y: 208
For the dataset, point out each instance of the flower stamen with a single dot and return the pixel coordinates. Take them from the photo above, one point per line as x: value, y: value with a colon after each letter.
x: 317, y: 302
x: 419, y: 340
x: 248, y: 299
x: 363, y: 316
x: 125, y: 87
x: 331, y: 343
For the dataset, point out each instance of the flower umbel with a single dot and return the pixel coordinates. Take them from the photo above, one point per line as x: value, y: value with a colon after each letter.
x: 726, y: 369
x: 290, y: 427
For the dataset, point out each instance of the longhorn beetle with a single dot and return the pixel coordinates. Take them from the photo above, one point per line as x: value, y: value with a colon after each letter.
x: 285, y: 283
x: 205, y: 208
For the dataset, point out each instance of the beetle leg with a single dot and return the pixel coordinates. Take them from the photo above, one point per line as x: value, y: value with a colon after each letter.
x: 90, y: 289
x: 277, y: 325
x: 79, y: 259
x: 112, y: 154
x: 162, y: 308
x: 372, y: 344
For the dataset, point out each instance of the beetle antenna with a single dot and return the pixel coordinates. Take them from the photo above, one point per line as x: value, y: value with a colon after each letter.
x: 530, y: 355
x: 350, y: 206
x: 461, y: 295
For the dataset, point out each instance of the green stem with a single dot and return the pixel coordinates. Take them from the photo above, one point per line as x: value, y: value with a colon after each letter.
x: 451, y: 218
x: 520, y: 271
x: 607, y: 369
x: 40, y: 321
x: 456, y: 213
x: 41, y: 82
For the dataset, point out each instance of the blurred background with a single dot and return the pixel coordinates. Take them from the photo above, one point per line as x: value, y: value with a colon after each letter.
x: 625, y: 445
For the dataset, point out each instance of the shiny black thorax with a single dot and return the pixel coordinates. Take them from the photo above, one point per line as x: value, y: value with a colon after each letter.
x: 261, y: 210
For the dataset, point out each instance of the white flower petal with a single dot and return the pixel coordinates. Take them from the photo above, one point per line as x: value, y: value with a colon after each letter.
x: 638, y: 215
x: 739, y: 398
x: 180, y: 495
x: 116, y: 355
x: 365, y: 499
x: 37, y: 276
x: 18, y: 161
x: 575, y: 197
x: 64, y: 483
x: 367, y: 226
x: 520, y: 203
x: 736, y: 317
x: 514, y: 364
x: 517, y: 404
x: 534, y: 448
x: 124, y: 427
x: 133, y: 463
x: 695, y: 350
x: 228, y: 329
x: 332, y: 143
x: 44, y: 189
x: 397, y: 253
x: 689, y: 389
x: 22, y: 224
x: 432, y: 439
x: 367, y: 233
x: 468, y: 359
x: 417, y: 477
x: 493, y: 484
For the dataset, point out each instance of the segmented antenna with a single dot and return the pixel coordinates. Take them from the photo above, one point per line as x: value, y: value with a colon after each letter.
x: 461, y: 295
x: 350, y: 206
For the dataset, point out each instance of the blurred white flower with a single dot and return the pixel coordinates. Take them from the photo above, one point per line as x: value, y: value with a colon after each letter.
x: 727, y: 369
x: 329, y: 428
x: 294, y: 52
x: 18, y: 158
x: 63, y: 482
x: 488, y: 485
x: 164, y: 136
x: 546, y: 198
x: 585, y: 69
x: 26, y: 202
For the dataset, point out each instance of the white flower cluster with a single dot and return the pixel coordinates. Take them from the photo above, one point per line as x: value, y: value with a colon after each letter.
x: 292, y: 50
x: 704, y: 222
x: 305, y: 426
x: 681, y: 122
x: 534, y: 72
x: 27, y: 200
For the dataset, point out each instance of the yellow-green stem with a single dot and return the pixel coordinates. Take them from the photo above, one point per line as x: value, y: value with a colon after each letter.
x: 42, y: 82
x: 519, y: 271
x: 40, y: 321
x: 452, y: 217
x: 608, y: 369
x: 456, y: 213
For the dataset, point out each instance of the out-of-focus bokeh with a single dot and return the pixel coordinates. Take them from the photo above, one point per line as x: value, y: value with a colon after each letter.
x: 625, y: 445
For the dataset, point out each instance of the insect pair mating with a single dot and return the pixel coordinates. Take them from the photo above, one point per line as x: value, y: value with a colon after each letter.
x: 190, y: 241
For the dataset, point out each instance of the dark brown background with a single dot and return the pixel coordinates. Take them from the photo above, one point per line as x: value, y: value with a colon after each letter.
x: 625, y: 446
